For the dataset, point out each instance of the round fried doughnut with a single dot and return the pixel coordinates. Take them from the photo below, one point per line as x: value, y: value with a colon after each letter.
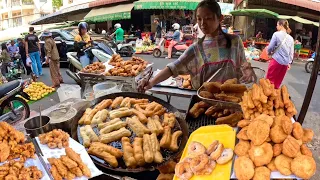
x: 303, y: 166
x: 199, y: 162
x: 277, y: 149
x: 305, y: 150
x: 4, y: 152
x: 226, y: 156
x: 212, y: 147
x: 290, y: 147
x: 243, y: 123
x: 208, y: 168
x: 277, y: 134
x: 307, y: 135
x: 217, y: 151
x: 244, y: 168
x: 261, y: 173
x: 243, y: 134
x: 258, y: 131
x: 297, y: 130
x: 195, y: 149
x: 272, y: 166
x: 242, y: 148
x: 283, y: 163
x: 183, y: 170
x: 286, y: 124
x: 277, y: 121
x: 261, y: 155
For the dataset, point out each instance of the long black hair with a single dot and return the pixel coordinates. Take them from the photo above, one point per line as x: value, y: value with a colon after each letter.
x: 4, y: 47
x: 214, y: 7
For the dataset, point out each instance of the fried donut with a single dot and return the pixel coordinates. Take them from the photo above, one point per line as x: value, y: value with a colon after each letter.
x: 272, y: 166
x: 266, y: 118
x: 282, y: 163
x: 261, y: 155
x: 183, y: 170
x: 261, y: 173
x: 297, y: 130
x: 243, y: 134
x: 242, y: 148
x: 244, y: 168
x: 195, y: 149
x: 212, y: 147
x: 290, y: 147
x: 258, y: 131
x: 303, y: 166
x: 286, y: 125
x: 243, y: 123
x: 208, y: 168
x: 226, y: 156
x: 4, y: 151
x: 307, y: 135
x: 277, y: 134
x: 199, y: 162
x: 217, y: 151
x: 277, y: 149
x: 305, y: 150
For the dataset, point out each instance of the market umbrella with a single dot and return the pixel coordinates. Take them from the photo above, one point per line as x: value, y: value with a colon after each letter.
x: 262, y: 13
x: 299, y: 19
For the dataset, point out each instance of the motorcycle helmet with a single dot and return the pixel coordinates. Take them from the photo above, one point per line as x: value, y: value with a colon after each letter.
x: 176, y: 26
x: 104, y: 32
x: 83, y: 25
x: 118, y: 25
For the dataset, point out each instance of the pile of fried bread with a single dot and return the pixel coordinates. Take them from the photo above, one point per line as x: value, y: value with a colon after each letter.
x: 143, y: 128
x: 268, y: 140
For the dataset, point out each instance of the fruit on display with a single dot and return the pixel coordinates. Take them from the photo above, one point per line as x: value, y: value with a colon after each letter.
x: 37, y: 90
x: 145, y: 48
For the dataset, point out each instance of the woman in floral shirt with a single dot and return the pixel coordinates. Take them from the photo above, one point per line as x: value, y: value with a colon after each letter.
x: 214, y: 51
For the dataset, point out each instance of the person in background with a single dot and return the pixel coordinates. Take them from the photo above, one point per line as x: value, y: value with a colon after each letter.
x: 52, y: 59
x: 198, y: 31
x: 159, y: 31
x: 33, y: 51
x: 83, y: 41
x: 175, y: 39
x: 259, y: 35
x: 22, y: 51
x: 118, y: 33
x: 13, y: 49
x: 281, y: 47
x: 5, y: 58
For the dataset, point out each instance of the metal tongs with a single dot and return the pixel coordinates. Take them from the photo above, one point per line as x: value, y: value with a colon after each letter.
x: 144, y: 80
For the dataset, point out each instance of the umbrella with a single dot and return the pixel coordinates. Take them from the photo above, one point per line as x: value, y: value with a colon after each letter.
x: 262, y: 13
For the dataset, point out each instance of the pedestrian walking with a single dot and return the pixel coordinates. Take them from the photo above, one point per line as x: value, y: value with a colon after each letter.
x: 22, y: 51
x: 4, y: 58
x: 53, y: 58
x: 33, y: 51
x: 281, y: 48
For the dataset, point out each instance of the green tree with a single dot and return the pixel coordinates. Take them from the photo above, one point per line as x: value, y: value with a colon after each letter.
x: 57, y: 3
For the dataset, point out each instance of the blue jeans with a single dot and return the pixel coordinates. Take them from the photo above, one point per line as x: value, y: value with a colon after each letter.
x: 36, y: 63
x: 85, y: 60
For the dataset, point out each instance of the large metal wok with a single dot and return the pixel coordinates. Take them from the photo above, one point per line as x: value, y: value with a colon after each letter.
x: 167, y: 155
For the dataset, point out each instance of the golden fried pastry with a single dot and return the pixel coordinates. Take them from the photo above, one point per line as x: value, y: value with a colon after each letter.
x: 282, y: 163
x: 244, y: 168
x: 242, y: 148
x: 70, y: 176
x: 85, y: 170
x: 303, y: 166
x: 100, y: 116
x: 126, y: 102
x: 92, y: 135
x: 85, y: 138
x: 174, y: 141
x: 285, y: 95
x: 206, y: 94
x: 165, y: 141
x: 89, y: 116
x: 128, y: 154
x: 277, y: 149
x: 140, y: 115
x: 307, y: 135
x: 77, y: 171
x: 157, y: 156
x: 137, y: 127
x: 212, y: 147
x: 169, y: 119
x: 272, y: 166
x: 225, y: 156
x: 261, y: 173
x: 226, y: 97
x: 116, y: 102
x: 4, y: 152
x: 198, y: 163
x: 231, y: 119
x: 286, y: 125
x: 68, y: 162
x: 147, y: 149
x: 195, y: 148
x: 109, y: 149
x: 243, y: 123
x: 258, y: 131
x: 113, y: 121
x: 266, y: 118
x: 212, y: 87
x: 218, y: 149
x: 266, y: 86
x: 62, y: 169
x: 55, y: 173
x: 73, y: 155
x: 210, y: 111
x: 183, y: 170
x: 55, y: 139
x: 305, y: 150
x: 297, y: 130
x: 290, y: 147
x: 243, y: 134
x: 120, y: 113
x: 84, y: 116
x: 196, y: 110
x: 115, y: 135
x: 138, y: 151
x: 261, y: 155
x: 154, y: 125
x: 277, y: 134
x: 231, y: 81
x: 113, y: 127
x: 236, y: 88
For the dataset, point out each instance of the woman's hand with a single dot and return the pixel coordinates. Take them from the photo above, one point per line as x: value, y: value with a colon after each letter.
x: 144, y: 85
x: 289, y: 67
x: 248, y: 74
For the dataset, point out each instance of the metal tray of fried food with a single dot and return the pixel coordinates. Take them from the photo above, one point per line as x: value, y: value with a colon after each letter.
x: 167, y: 155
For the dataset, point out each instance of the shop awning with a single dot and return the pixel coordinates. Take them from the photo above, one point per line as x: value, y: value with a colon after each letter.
x: 262, y: 13
x: 118, y: 12
x: 299, y: 19
x: 310, y: 4
x: 166, y: 4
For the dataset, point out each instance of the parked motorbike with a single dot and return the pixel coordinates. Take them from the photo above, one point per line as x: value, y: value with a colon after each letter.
x: 309, y: 65
x: 100, y: 50
x: 124, y: 49
x: 15, y: 68
x: 13, y: 108
x: 162, y: 48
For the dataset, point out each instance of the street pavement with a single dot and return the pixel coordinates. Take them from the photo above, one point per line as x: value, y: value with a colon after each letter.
x: 296, y: 79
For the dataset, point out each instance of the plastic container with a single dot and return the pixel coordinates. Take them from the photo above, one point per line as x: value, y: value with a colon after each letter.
x: 105, y: 88
x: 67, y: 91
